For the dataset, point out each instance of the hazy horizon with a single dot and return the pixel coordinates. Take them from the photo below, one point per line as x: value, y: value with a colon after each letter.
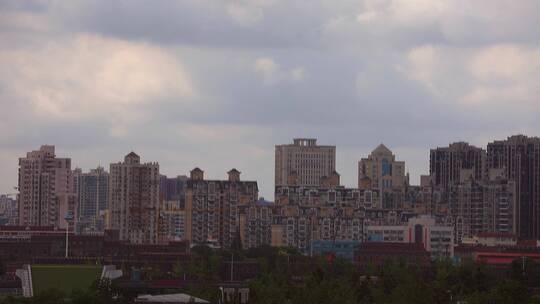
x: 217, y: 84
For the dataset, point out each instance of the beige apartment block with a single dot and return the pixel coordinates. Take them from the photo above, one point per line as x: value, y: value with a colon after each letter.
x: 304, y: 163
x: 380, y: 170
x: 134, y: 200
x: 45, y: 189
x: 213, y: 208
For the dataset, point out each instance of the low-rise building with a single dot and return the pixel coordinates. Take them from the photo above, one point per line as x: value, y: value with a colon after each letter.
x: 436, y: 238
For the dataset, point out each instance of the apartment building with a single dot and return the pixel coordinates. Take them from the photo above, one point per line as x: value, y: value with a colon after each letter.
x: 134, y: 199
x: 173, y: 189
x: 519, y: 158
x: 213, y: 207
x: 91, y: 193
x: 256, y: 224
x: 9, y: 214
x: 45, y: 189
x: 457, y: 162
x: 303, y: 163
x: 478, y: 206
x: 172, y: 221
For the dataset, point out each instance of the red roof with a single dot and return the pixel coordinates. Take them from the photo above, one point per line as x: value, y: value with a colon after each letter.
x: 496, y: 235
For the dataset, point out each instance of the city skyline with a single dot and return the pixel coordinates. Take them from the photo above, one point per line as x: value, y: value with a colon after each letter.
x: 350, y: 180
x: 219, y: 83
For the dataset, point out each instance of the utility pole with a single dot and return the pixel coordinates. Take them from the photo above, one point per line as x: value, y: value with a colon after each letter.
x: 232, y: 266
x: 68, y: 217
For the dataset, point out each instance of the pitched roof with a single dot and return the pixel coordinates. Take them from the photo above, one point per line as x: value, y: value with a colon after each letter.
x: 382, y: 149
x: 132, y: 154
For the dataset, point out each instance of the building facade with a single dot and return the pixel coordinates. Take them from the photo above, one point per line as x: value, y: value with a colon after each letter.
x: 172, y: 219
x: 482, y: 206
x: 437, y: 238
x: 91, y: 191
x: 173, y: 189
x: 45, y: 189
x: 256, y: 224
x: 303, y: 163
x: 380, y: 170
x: 213, y: 208
x: 457, y: 162
x: 9, y: 211
x: 519, y: 158
x: 134, y: 200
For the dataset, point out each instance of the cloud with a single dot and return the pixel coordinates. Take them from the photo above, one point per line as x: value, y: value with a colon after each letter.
x: 493, y: 75
x: 216, y: 84
x: 271, y: 72
x: 91, y: 77
x: 247, y: 12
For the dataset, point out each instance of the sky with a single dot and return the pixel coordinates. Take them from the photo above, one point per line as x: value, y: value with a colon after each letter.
x: 216, y: 84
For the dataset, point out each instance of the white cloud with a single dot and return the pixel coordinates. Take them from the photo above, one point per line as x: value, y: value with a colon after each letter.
x: 247, y: 12
x: 271, y: 72
x: 298, y: 74
x: 88, y: 76
x: 497, y: 74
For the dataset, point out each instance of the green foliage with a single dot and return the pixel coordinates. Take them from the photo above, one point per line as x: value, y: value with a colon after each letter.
x: 288, y: 277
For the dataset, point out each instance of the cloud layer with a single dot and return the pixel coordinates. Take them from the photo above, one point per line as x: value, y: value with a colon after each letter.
x: 216, y: 84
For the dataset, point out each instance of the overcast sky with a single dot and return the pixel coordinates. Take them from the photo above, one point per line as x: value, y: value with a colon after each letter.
x: 216, y: 84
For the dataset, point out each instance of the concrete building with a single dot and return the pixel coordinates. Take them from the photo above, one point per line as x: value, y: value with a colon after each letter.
x: 303, y: 163
x: 482, y: 206
x: 519, y: 158
x: 457, y: 162
x: 172, y: 219
x: 436, y: 238
x: 329, y: 212
x: 134, y: 200
x: 174, y: 189
x: 491, y: 239
x: 256, y: 224
x: 213, y: 207
x: 45, y: 189
x: 9, y: 212
x: 380, y: 170
x: 91, y: 191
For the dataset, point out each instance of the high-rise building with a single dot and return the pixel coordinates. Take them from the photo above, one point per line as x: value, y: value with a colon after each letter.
x: 303, y: 163
x: 482, y: 206
x: 173, y: 189
x: 256, y: 224
x: 134, y: 200
x: 91, y: 190
x: 45, y: 189
x: 9, y: 214
x: 172, y: 218
x: 213, y: 208
x: 519, y: 158
x: 457, y: 162
x: 381, y: 171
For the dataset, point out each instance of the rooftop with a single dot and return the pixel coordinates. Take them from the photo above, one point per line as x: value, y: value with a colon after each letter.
x: 169, y: 298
